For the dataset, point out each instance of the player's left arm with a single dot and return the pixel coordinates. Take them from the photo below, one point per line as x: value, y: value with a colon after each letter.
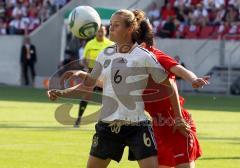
x: 190, y: 76
x: 173, y: 67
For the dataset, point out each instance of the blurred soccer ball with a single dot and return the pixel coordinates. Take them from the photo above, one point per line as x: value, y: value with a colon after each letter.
x: 84, y: 21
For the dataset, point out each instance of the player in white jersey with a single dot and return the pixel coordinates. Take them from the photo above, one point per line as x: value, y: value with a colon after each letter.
x: 122, y: 75
x: 124, y: 70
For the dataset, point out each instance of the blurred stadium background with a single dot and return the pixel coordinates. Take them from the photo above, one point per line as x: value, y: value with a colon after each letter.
x: 204, y: 34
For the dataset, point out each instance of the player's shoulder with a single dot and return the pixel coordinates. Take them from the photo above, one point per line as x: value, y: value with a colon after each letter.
x: 110, y: 50
x: 107, y: 53
x: 141, y: 49
x: 112, y: 46
x: 158, y: 52
x: 143, y: 53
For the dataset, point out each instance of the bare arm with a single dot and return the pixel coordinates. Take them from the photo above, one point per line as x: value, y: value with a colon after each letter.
x: 190, y: 76
x: 77, y: 74
x: 83, y: 75
x: 82, y: 90
x: 180, y: 123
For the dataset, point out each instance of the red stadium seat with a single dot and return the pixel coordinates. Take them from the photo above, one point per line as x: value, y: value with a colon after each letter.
x: 192, y: 32
x: 220, y: 31
x: 179, y: 32
x: 206, y: 32
x: 233, y: 33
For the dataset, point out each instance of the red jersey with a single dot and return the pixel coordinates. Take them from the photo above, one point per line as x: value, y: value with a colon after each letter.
x: 170, y: 153
x: 163, y: 104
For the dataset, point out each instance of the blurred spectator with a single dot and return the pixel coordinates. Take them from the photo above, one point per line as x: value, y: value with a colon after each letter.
x: 28, y: 60
x: 195, y: 2
x: 235, y: 3
x: 3, y: 27
x: 153, y: 12
x: 180, y: 13
x: 208, y: 4
x: 19, y: 10
x: 11, y: 3
x: 200, y: 15
x: 2, y: 8
x: 23, y: 16
x: 220, y: 13
x: 180, y: 31
x: 59, y: 3
x: 231, y: 14
x: 182, y: 3
x: 34, y: 22
x: 168, y: 28
x: 167, y: 11
x: 33, y: 10
x: 18, y: 25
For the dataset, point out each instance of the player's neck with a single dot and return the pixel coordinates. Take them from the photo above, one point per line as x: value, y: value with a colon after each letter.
x: 124, y: 47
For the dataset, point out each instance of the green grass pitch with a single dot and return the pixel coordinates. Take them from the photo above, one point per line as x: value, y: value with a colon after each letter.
x: 32, y: 138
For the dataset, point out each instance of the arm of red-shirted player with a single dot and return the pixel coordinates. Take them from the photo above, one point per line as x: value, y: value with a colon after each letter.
x: 173, y: 67
x: 180, y: 123
x: 190, y: 76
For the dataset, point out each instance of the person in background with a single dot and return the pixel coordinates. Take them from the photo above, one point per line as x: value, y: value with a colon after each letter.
x: 28, y: 60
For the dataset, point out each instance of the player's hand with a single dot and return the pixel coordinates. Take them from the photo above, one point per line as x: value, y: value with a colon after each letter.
x: 67, y: 75
x: 200, y: 82
x: 54, y: 94
x: 182, y: 126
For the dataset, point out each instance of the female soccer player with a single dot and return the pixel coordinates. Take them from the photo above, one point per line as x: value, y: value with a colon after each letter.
x: 121, y: 69
x: 175, y: 148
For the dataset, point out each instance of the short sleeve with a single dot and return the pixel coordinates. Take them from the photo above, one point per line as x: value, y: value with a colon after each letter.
x: 155, y: 69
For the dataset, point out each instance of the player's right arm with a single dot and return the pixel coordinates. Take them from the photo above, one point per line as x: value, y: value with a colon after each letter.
x: 96, y: 72
x: 90, y: 80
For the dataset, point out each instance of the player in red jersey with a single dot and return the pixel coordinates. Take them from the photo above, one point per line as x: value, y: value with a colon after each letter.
x: 175, y: 149
x: 178, y: 148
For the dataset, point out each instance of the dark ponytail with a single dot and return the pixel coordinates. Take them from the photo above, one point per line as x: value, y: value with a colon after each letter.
x: 144, y: 32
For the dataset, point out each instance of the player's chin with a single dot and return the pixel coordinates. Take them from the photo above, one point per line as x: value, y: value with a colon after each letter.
x: 111, y: 37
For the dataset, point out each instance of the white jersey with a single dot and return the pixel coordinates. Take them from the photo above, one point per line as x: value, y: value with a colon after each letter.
x: 125, y: 77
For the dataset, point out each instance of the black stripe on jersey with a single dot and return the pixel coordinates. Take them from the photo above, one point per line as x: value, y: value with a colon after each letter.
x: 112, y: 47
x: 144, y: 49
x: 150, y: 53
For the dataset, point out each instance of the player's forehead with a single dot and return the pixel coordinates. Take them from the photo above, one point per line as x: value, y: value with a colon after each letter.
x: 117, y: 18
